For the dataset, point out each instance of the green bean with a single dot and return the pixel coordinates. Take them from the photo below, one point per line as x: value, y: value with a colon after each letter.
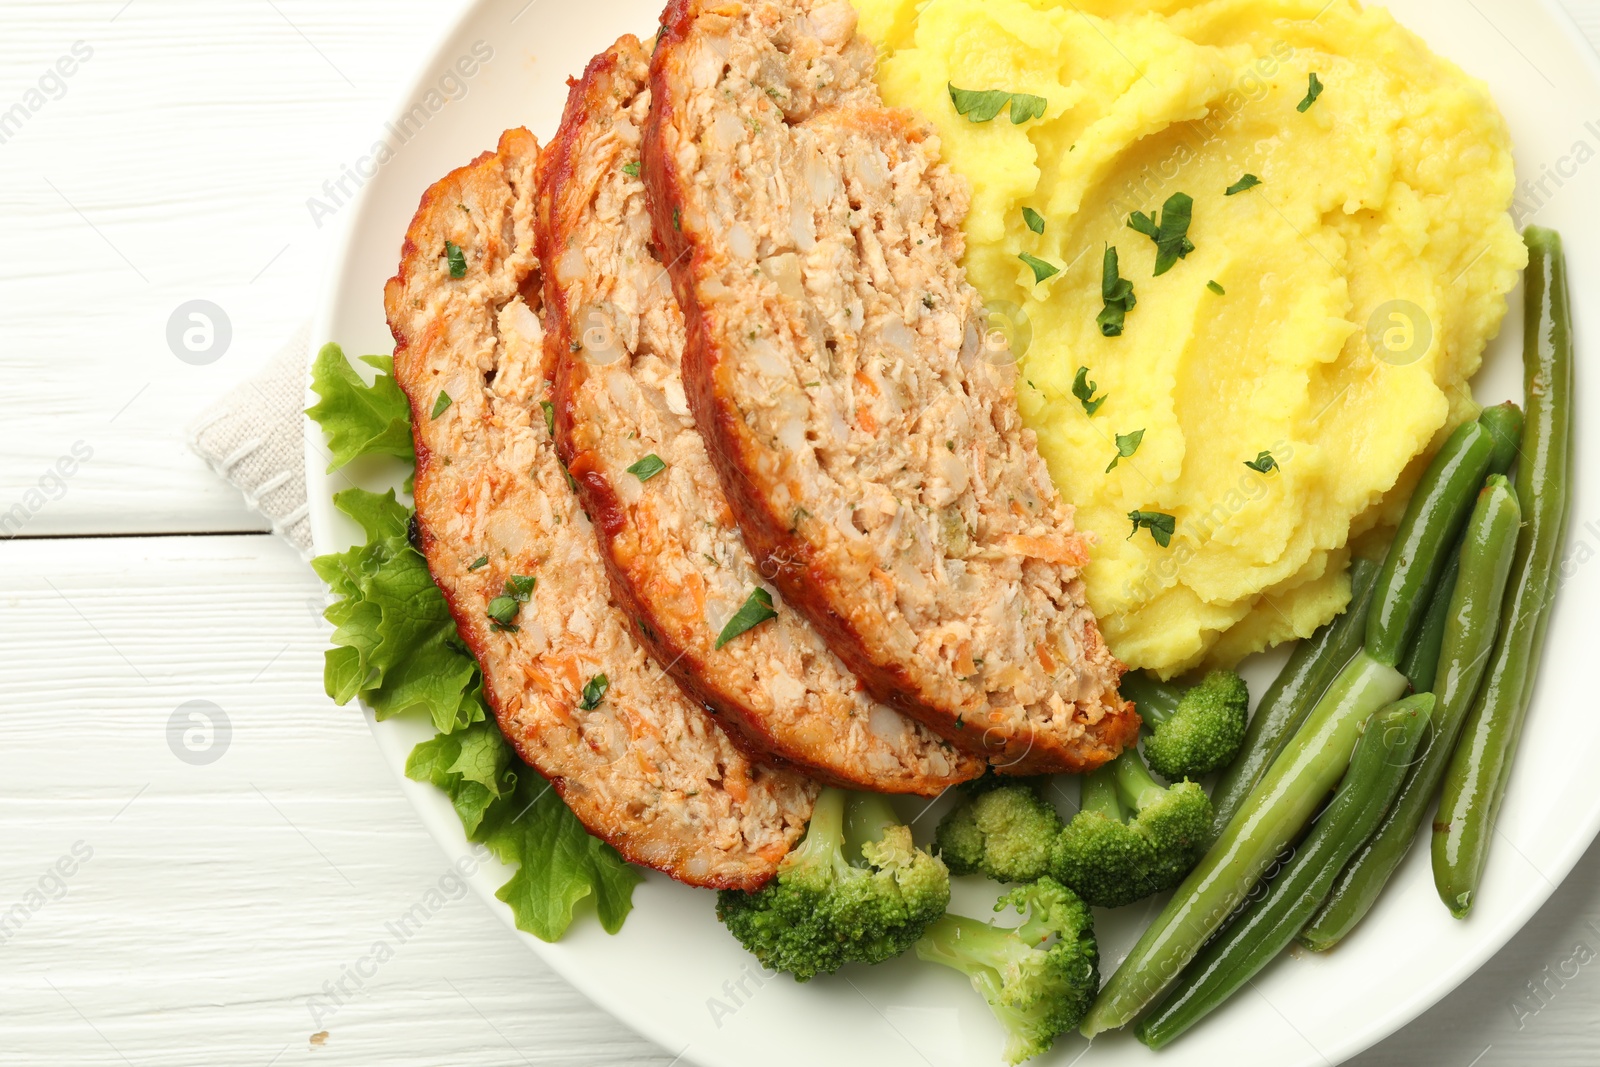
x: 1314, y: 664
x: 1421, y: 662
x: 1475, y: 783
x: 1433, y: 519
x: 1274, y: 813
x: 1472, y: 622
x: 1504, y: 423
x: 1388, y: 742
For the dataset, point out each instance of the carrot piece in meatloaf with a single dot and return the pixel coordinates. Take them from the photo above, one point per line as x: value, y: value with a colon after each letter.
x: 643, y: 767
x: 868, y: 440
x: 665, y: 530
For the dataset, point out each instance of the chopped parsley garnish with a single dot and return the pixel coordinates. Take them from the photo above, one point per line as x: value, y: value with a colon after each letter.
x: 1159, y: 523
x: 631, y: 169
x: 502, y: 612
x: 478, y: 564
x: 1117, y: 292
x: 1127, y: 445
x: 457, y: 261
x: 1313, y: 91
x: 441, y: 405
x: 978, y: 105
x: 503, y: 609
x: 1171, y: 233
x: 982, y: 105
x: 1034, y: 220
x: 1215, y: 288
x: 549, y: 410
x: 594, y: 691
x: 756, y: 609
x: 1249, y: 181
x: 1084, y: 390
x: 677, y: 220
x: 1041, y: 269
x: 647, y: 468
x: 1025, y: 106
x: 1262, y: 463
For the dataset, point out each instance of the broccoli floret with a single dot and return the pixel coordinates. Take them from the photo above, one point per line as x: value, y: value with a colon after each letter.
x: 1112, y: 862
x: 1193, y: 733
x: 1039, y: 977
x: 1005, y: 833
x: 855, y: 890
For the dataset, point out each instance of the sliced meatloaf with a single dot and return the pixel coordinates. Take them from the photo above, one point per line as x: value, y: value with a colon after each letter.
x: 866, y: 435
x: 674, y: 552
x: 643, y: 767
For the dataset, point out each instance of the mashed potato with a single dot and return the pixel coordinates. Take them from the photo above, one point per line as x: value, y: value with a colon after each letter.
x: 1360, y: 280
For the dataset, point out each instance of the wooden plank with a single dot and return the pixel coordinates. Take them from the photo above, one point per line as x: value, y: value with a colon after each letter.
x: 174, y: 164
x: 220, y: 897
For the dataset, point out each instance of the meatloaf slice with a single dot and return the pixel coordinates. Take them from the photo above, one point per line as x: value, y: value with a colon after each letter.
x: 675, y: 555
x: 643, y: 767
x: 866, y: 435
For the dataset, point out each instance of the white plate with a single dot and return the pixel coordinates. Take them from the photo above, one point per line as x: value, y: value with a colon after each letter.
x: 676, y: 976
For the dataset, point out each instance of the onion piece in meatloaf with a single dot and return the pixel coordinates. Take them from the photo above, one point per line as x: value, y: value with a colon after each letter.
x: 674, y: 552
x: 642, y: 766
x: 866, y: 434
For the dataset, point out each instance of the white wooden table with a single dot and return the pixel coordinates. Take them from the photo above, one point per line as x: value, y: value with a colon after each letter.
x: 156, y: 911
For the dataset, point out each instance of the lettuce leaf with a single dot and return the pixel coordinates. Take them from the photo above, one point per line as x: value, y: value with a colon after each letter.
x: 359, y: 419
x: 473, y: 768
x: 397, y: 648
x: 562, y: 865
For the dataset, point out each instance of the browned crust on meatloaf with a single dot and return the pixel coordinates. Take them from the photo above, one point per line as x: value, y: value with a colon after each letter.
x: 671, y: 545
x: 989, y: 640
x: 645, y: 769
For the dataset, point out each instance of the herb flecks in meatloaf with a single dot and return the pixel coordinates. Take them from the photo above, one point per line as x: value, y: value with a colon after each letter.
x: 642, y: 767
x: 866, y: 436
x: 675, y: 554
